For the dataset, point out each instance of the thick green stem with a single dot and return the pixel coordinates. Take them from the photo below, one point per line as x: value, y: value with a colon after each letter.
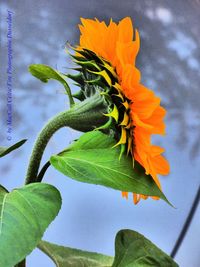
x: 84, y: 116
x: 50, y: 128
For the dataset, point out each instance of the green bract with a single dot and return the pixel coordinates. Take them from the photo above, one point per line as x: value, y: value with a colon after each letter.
x: 97, y: 76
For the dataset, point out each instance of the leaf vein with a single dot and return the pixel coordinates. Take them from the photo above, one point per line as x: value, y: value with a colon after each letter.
x: 2, y: 211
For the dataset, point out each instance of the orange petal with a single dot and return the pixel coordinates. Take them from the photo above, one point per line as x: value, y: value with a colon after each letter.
x: 125, y: 30
x: 125, y: 194
x: 136, y: 198
x: 161, y: 165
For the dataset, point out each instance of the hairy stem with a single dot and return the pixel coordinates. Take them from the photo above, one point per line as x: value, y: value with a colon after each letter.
x: 44, y: 136
x: 84, y: 117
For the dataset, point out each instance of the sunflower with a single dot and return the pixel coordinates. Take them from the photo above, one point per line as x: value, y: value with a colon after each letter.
x: 106, y: 56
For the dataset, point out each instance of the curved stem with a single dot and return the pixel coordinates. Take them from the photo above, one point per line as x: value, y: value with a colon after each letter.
x: 50, y: 128
x: 84, y: 117
x: 186, y: 224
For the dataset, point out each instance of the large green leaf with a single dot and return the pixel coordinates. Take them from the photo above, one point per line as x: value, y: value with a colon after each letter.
x: 131, y: 250
x: 134, y: 250
x: 25, y: 214
x: 6, y: 150
x: 66, y: 257
x: 44, y: 73
x: 93, y: 159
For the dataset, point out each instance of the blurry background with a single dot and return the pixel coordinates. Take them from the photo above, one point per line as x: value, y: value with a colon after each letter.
x: 169, y: 60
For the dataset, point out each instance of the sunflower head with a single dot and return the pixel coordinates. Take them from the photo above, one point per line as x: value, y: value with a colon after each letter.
x: 97, y: 76
x: 106, y: 67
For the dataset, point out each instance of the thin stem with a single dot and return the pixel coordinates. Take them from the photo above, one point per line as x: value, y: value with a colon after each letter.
x: 42, y: 172
x: 67, y: 88
x: 186, y: 224
x: 44, y: 169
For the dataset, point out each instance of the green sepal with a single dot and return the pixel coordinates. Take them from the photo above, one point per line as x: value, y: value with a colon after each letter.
x: 105, y: 65
x: 89, y: 64
x: 79, y: 95
x: 78, y: 78
x: 89, y: 55
x: 104, y: 75
x: 105, y: 126
x: 122, y: 151
x: 114, y: 113
x: 95, y: 81
x: 78, y: 58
